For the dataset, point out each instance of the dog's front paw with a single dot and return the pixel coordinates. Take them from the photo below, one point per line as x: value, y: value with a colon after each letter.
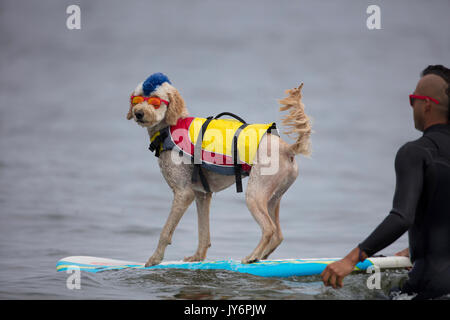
x: 153, y: 261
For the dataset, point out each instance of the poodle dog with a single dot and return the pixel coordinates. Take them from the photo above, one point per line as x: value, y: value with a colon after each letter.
x: 158, y: 106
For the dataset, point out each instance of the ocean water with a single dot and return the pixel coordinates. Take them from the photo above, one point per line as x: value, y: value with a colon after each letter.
x: 76, y: 177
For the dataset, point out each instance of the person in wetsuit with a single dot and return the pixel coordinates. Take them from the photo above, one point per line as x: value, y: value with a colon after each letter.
x: 421, y: 202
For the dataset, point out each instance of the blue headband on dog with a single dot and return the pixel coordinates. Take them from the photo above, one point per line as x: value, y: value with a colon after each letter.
x: 153, y: 82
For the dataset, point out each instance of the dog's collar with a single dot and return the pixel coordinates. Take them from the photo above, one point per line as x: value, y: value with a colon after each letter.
x: 157, y: 140
x: 153, y: 137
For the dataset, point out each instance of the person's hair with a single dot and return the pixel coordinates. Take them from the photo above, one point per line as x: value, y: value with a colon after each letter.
x: 444, y: 73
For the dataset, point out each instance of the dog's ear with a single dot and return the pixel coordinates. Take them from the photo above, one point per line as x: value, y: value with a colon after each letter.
x: 130, y: 113
x: 177, y: 108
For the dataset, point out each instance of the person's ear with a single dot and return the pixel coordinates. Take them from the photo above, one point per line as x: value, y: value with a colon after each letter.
x: 427, y: 106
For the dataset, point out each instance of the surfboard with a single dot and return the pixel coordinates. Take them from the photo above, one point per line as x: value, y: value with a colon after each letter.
x: 264, y: 268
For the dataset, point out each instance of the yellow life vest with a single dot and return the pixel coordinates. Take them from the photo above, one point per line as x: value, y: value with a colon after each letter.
x: 225, y: 146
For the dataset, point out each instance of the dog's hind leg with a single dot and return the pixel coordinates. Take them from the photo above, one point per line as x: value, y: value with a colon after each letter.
x: 264, y: 191
x: 257, y: 196
x: 277, y: 238
x: 181, y: 201
x: 203, y: 201
x: 285, y: 179
x: 261, y: 215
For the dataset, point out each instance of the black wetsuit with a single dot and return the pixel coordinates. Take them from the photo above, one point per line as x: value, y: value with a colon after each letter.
x: 421, y: 206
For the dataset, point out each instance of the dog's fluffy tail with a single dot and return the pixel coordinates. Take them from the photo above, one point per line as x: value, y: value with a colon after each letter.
x: 298, y: 123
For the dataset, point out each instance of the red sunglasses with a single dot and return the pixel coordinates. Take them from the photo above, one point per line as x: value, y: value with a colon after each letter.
x: 154, y: 101
x: 412, y: 97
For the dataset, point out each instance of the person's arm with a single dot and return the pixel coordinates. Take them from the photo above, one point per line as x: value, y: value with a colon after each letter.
x: 409, y: 167
x: 409, y: 164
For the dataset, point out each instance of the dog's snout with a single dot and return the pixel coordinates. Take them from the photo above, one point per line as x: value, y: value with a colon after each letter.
x: 139, y: 114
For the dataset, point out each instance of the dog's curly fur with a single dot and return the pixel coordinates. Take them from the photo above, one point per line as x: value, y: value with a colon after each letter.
x: 265, y: 187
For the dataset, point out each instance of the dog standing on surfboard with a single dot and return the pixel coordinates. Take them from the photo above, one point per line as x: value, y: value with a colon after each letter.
x: 158, y: 106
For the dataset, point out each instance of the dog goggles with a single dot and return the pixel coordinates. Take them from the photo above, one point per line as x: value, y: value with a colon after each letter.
x: 154, y: 101
x: 413, y: 96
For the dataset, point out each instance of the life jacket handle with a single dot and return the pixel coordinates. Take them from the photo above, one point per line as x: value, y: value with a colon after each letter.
x: 231, y: 115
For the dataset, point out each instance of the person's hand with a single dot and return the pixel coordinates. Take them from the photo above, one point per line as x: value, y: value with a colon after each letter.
x: 334, y: 273
x: 403, y: 253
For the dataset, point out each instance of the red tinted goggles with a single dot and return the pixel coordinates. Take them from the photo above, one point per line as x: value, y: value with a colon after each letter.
x: 412, y: 97
x: 154, y: 101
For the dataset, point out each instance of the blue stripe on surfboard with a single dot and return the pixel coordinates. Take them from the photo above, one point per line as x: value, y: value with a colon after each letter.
x: 269, y: 268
